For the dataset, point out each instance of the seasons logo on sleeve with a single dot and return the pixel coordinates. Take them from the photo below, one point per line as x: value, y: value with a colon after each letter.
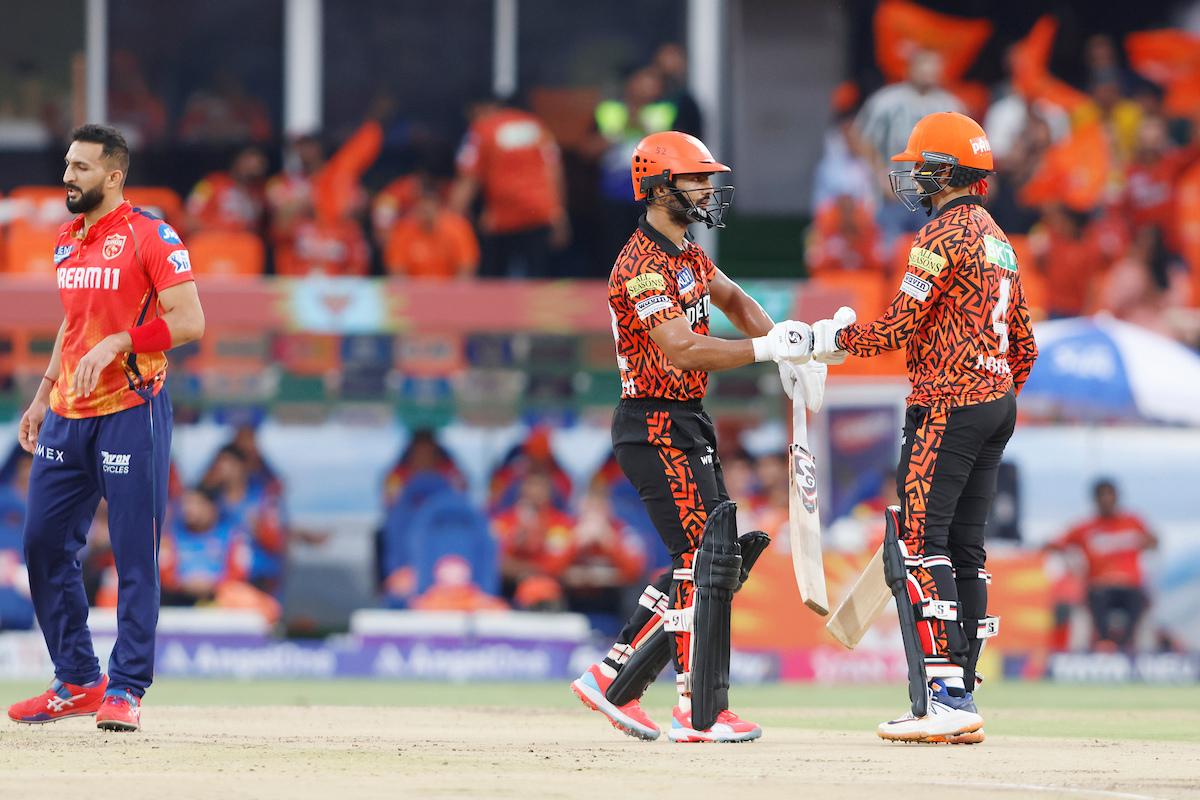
x: 645, y: 283
x: 926, y: 260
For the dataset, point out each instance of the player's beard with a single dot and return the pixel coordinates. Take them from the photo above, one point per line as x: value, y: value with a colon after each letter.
x: 86, y: 200
x: 676, y: 206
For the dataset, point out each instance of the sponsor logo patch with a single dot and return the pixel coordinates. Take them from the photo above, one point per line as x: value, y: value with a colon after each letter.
x: 168, y: 234
x: 1000, y: 253
x: 644, y: 283
x: 685, y: 279
x: 113, y: 246
x: 926, y: 260
x: 61, y: 254
x: 652, y: 305
x: 115, y: 463
x: 48, y: 453
x: 181, y: 260
x: 914, y: 287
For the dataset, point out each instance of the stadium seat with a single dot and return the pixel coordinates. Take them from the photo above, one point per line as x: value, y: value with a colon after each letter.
x: 158, y: 200
x: 450, y: 525
x: 226, y: 253
x: 42, y: 206
x: 29, y: 248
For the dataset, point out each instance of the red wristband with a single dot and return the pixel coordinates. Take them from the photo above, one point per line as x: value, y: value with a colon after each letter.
x: 153, y: 337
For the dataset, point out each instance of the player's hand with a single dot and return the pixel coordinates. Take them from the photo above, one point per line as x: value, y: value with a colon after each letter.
x: 810, y: 377
x: 825, y: 347
x: 31, y: 423
x: 788, y: 341
x: 87, y: 374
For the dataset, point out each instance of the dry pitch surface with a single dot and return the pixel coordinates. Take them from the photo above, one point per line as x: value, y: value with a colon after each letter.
x: 532, y: 742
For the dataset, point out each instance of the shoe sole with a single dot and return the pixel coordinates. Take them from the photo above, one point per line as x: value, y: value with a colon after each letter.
x: 116, y: 726
x: 52, y: 719
x: 690, y: 736
x: 583, y: 692
x: 969, y: 735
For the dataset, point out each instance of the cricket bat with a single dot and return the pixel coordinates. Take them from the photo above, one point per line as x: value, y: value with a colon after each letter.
x: 865, y: 601
x: 804, y: 522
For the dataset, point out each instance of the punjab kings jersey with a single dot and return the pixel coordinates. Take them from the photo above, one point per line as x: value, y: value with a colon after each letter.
x: 109, y: 282
x: 653, y: 281
x: 960, y: 312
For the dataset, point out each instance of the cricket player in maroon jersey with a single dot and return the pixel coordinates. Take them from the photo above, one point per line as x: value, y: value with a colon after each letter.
x: 100, y: 427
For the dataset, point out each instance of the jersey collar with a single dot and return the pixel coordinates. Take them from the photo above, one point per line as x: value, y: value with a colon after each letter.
x: 665, y: 244
x: 104, y: 222
x: 966, y: 199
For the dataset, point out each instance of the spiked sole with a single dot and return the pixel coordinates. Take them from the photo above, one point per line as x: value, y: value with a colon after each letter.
x: 52, y: 719
x: 628, y: 728
x: 968, y: 735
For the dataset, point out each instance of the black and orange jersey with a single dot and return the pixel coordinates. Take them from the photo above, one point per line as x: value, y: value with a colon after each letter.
x: 960, y: 312
x: 654, y: 281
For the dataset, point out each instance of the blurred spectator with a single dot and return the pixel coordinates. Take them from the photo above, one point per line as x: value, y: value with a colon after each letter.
x: 233, y: 200
x: 199, y: 551
x: 510, y: 158
x: 671, y: 62
x: 431, y: 241
x: 1111, y: 543
x: 842, y: 170
x: 1069, y: 258
x: 607, y: 559
x: 29, y: 119
x: 422, y: 456
x: 315, y: 203
x: 741, y: 482
x: 1150, y: 179
x: 1120, y: 116
x: 1008, y: 117
x: 393, y: 202
x: 132, y: 107
x: 255, y: 510
x: 885, y: 122
x: 1024, y: 158
x: 533, y: 456
x: 620, y: 125
x: 1146, y: 283
x: 16, y: 610
x: 844, y: 236
x: 454, y: 590
x: 535, y: 538
x: 1103, y: 61
x: 773, y: 476
x: 261, y: 474
x: 223, y: 114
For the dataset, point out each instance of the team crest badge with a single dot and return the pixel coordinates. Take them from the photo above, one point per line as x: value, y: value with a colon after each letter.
x: 113, y: 246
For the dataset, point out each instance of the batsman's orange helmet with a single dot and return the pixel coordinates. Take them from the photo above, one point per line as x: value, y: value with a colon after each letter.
x: 659, y: 157
x: 952, y: 134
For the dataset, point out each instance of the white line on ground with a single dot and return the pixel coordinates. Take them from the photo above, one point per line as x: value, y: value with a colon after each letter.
x: 1034, y: 787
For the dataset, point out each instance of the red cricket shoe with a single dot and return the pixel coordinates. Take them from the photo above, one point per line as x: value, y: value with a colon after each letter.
x: 60, y: 701
x: 729, y: 727
x: 630, y: 719
x: 120, y: 711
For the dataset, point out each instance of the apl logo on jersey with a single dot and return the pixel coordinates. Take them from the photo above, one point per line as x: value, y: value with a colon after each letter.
x: 685, y: 280
x: 113, y: 246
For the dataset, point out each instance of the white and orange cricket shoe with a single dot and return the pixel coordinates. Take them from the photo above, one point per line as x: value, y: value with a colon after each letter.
x: 729, y: 727
x: 948, y: 720
x: 60, y: 701
x: 630, y: 719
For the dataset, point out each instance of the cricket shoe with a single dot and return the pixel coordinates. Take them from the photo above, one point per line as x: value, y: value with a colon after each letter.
x: 949, y: 720
x: 60, y: 701
x: 120, y: 711
x: 965, y: 703
x: 630, y: 719
x: 729, y: 727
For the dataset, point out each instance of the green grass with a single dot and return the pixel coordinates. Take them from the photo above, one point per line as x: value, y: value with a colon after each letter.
x: 1012, y: 709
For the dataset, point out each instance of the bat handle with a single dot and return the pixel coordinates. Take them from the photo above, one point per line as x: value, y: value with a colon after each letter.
x: 799, y: 418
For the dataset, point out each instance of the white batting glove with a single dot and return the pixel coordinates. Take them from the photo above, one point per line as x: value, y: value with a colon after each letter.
x: 789, y: 340
x: 810, y: 377
x: 825, y: 333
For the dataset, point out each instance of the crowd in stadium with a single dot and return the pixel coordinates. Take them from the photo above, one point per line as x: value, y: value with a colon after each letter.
x: 1095, y: 184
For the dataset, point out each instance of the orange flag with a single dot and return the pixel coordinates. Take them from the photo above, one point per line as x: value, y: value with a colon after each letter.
x: 901, y: 27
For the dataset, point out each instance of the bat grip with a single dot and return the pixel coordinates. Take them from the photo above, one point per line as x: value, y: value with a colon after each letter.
x: 799, y: 418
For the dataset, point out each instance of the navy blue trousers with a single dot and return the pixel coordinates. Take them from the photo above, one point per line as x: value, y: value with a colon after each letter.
x: 124, y: 458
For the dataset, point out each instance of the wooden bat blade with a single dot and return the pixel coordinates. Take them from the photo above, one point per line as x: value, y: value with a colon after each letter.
x: 862, y: 605
x: 804, y: 524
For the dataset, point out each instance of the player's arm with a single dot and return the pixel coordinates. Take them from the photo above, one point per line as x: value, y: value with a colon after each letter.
x: 1022, y: 349
x: 181, y: 321
x: 31, y: 420
x: 742, y: 310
